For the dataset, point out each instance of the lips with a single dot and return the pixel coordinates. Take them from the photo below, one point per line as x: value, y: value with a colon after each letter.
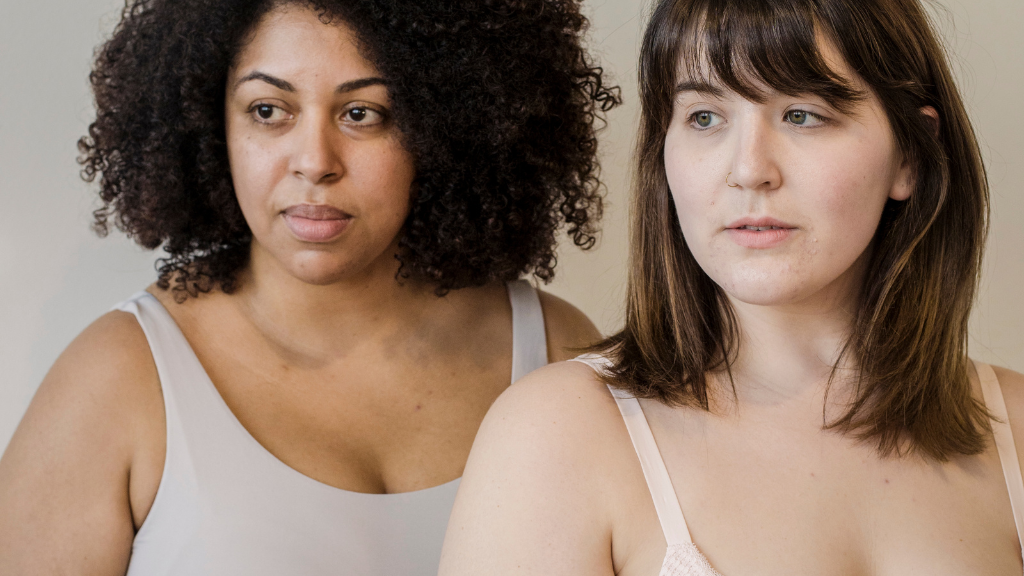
x: 316, y: 223
x: 759, y: 233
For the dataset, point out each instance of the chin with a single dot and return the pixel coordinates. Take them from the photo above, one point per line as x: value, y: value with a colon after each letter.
x: 764, y: 289
x: 763, y: 296
x: 321, y: 270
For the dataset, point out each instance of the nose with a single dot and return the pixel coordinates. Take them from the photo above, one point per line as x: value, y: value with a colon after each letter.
x: 754, y: 165
x: 317, y: 156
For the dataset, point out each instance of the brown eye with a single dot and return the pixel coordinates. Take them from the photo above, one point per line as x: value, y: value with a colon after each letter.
x: 267, y: 114
x: 363, y: 116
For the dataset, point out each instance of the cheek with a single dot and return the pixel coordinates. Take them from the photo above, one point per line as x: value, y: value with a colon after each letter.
x: 384, y: 177
x: 691, y: 180
x: 852, y: 200
x: 254, y: 171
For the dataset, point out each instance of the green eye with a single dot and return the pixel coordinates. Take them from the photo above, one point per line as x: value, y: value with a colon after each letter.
x: 802, y: 118
x: 703, y: 119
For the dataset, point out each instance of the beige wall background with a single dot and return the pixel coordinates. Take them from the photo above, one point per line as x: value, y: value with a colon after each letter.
x: 56, y: 276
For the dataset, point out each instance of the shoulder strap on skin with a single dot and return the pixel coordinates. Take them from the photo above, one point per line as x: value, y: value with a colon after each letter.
x: 1005, y: 446
x: 174, y: 511
x: 529, y: 339
x: 673, y: 524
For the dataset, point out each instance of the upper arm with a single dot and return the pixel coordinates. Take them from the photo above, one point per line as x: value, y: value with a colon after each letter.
x: 65, y: 478
x: 533, y: 497
x: 569, y: 331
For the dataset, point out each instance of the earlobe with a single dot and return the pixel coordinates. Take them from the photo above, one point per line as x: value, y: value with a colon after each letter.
x: 906, y: 178
x: 904, y: 184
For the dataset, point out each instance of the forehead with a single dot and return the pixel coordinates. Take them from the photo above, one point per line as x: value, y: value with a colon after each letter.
x: 294, y: 40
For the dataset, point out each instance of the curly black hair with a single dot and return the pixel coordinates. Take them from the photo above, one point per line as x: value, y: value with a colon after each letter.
x: 497, y: 100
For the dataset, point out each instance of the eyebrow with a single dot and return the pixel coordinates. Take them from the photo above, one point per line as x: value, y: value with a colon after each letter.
x: 273, y: 81
x: 349, y: 86
x: 700, y: 88
x: 352, y: 85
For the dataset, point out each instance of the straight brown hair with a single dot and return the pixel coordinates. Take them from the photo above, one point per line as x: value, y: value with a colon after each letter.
x: 909, y: 336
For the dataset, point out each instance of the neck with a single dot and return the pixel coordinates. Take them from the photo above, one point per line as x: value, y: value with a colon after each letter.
x: 330, y: 321
x: 787, y: 352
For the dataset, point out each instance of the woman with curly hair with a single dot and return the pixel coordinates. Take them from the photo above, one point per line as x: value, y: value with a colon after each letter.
x: 791, y: 393
x: 348, y: 193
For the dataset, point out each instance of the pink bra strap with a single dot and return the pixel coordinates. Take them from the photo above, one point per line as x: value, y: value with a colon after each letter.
x: 658, y: 482
x: 673, y: 524
x: 1005, y: 446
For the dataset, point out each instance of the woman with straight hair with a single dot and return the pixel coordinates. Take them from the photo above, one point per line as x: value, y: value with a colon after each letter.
x: 349, y: 193
x: 791, y: 393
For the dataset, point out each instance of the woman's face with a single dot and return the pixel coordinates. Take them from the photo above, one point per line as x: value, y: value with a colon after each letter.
x: 805, y: 192
x: 317, y: 163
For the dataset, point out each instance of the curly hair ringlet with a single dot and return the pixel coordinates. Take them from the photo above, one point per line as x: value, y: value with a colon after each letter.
x: 497, y: 100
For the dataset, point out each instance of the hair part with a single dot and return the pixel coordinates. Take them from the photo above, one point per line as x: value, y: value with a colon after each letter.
x: 909, y: 337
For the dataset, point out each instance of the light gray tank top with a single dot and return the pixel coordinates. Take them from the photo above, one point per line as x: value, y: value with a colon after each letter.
x: 226, y: 506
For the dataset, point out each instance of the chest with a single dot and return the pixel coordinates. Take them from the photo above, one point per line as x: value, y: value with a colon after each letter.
x: 379, y: 418
x: 792, y: 503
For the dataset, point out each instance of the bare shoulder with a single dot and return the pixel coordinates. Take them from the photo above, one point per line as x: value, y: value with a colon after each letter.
x: 568, y: 329
x: 103, y: 390
x: 534, y: 497
x: 560, y: 412
x: 110, y: 357
x: 555, y: 395
x: 108, y: 366
x: 1012, y: 385
x: 89, y: 448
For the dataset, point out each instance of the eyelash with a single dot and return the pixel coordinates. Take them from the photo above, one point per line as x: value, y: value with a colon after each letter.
x: 693, y: 118
x: 367, y: 109
x: 255, y: 119
x: 818, y: 117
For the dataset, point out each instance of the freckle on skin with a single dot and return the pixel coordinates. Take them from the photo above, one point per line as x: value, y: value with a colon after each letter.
x: 419, y: 406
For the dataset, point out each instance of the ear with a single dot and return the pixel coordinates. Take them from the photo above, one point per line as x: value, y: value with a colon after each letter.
x: 906, y: 179
x: 931, y: 116
x: 904, y: 184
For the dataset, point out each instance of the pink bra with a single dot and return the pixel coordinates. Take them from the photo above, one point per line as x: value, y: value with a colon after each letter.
x: 683, y: 558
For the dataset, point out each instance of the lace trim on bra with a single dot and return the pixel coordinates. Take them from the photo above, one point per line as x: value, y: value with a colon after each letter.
x: 684, y: 559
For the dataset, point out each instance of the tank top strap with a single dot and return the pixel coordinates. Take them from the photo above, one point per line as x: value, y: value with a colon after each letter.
x: 175, y: 361
x: 164, y: 338
x: 172, y: 517
x: 1005, y: 446
x: 673, y: 524
x: 193, y: 407
x: 529, y: 339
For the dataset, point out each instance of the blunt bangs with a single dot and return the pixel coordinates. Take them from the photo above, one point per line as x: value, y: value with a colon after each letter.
x: 754, y: 47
